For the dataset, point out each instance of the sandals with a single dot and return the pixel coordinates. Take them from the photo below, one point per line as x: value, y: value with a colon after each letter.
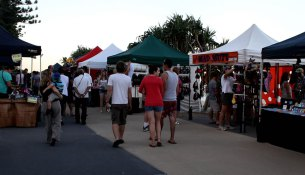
x: 172, y: 141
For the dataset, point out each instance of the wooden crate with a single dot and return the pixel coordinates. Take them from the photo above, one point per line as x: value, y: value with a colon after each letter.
x: 26, y: 114
x: 6, y: 113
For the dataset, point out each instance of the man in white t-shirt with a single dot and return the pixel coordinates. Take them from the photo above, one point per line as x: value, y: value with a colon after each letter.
x: 86, y: 73
x: 65, y: 80
x: 81, y: 85
x: 119, y: 88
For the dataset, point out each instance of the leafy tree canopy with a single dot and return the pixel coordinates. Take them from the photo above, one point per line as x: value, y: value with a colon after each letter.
x: 15, y: 14
x: 185, y: 34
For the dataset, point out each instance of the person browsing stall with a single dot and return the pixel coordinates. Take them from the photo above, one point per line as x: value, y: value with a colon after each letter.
x: 5, y: 81
x: 227, y: 81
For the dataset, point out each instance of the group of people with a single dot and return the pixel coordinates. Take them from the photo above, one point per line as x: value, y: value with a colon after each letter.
x: 293, y: 90
x: 160, y: 101
x: 223, y: 95
x: 57, y: 90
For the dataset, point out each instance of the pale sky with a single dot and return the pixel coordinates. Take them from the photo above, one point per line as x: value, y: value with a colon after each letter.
x: 90, y: 23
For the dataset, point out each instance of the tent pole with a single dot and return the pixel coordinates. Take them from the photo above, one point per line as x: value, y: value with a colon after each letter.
x: 261, y: 88
x: 31, y: 72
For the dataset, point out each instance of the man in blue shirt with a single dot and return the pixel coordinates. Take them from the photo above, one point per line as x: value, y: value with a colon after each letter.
x: 5, y: 81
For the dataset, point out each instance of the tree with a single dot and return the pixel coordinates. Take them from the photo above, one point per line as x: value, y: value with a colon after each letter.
x: 15, y: 14
x: 185, y: 34
x: 81, y: 50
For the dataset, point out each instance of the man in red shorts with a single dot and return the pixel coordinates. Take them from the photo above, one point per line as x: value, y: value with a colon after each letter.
x: 170, y: 84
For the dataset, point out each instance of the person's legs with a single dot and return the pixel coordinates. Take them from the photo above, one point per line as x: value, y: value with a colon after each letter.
x: 172, y: 124
x: 101, y: 101
x: 118, y: 117
x: 228, y: 116
x: 146, y: 122
x: 222, y: 116
x: 77, y: 108
x: 158, y: 124
x: 56, y: 122
x: 152, y: 129
x: 84, y: 102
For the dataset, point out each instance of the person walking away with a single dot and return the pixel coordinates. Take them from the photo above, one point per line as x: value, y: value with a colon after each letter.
x: 52, y: 116
x: 213, y: 93
x: 227, y: 81
x: 153, y: 87
x: 119, y: 89
x: 5, y: 81
x: 88, y: 76
x: 170, y: 86
x: 179, y: 93
x: 63, y: 103
x: 81, y: 85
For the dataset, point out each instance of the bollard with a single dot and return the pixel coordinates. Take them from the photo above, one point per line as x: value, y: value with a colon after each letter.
x: 190, y: 113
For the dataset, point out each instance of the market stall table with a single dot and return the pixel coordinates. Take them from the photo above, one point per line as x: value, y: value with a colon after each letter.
x: 18, y: 113
x: 282, y: 128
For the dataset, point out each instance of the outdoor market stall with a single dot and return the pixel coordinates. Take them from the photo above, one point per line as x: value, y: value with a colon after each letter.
x: 17, y: 112
x: 244, y: 51
x: 286, y: 126
x: 151, y: 51
x: 96, y: 64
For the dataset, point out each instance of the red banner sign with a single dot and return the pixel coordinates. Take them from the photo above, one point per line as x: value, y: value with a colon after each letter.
x: 227, y: 57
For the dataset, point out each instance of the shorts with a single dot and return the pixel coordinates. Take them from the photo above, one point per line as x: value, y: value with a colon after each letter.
x: 119, y: 113
x: 214, y: 105
x: 226, y: 99
x: 154, y: 108
x: 168, y: 108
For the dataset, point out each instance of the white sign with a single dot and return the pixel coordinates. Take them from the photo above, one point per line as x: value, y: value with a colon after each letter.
x: 16, y: 57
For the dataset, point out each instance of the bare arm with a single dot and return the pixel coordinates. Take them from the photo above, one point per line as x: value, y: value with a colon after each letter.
x: 129, y: 98
x: 109, y: 93
x: 164, y: 78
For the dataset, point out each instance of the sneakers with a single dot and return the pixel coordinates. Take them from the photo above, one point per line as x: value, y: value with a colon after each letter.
x: 146, y: 129
x: 230, y: 127
x: 222, y: 128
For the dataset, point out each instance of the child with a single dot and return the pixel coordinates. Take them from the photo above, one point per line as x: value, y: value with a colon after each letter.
x: 59, y: 86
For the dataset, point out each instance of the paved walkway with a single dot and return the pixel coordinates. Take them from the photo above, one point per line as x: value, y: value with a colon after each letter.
x: 201, y: 149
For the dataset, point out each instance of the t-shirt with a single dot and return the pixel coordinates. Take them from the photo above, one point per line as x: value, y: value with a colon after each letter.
x: 212, y: 89
x: 7, y: 77
x: 81, y: 82
x: 120, y: 84
x: 65, y: 80
x: 227, y: 84
x: 59, y: 86
x: 153, y: 87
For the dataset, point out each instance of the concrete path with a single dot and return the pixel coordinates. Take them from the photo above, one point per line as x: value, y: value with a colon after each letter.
x: 202, y: 149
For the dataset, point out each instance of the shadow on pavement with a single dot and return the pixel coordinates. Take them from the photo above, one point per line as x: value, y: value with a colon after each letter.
x: 24, y: 151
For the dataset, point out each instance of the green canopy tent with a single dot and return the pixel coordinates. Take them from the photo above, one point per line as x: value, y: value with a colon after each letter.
x: 150, y: 51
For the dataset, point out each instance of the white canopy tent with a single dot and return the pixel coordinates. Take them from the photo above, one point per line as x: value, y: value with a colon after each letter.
x: 247, y: 45
x: 99, y: 61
